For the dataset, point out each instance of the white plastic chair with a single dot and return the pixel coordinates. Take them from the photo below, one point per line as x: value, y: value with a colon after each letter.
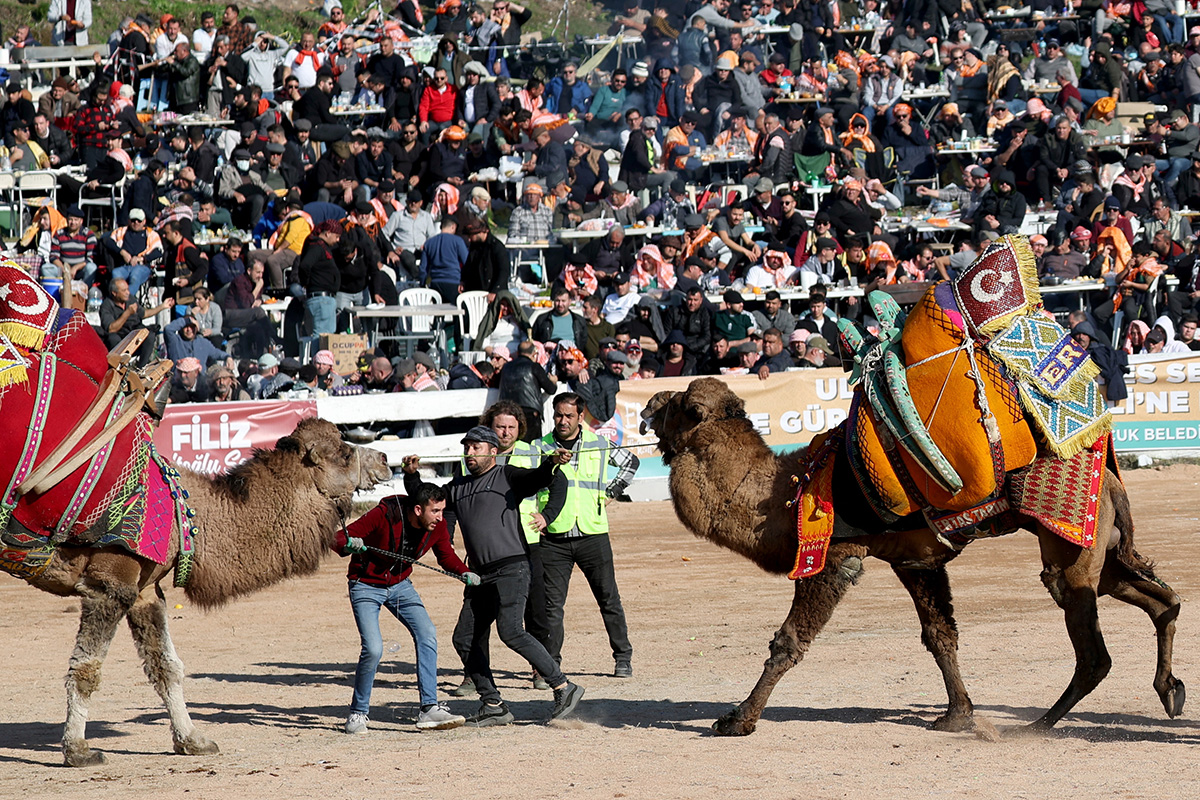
x: 35, y: 183
x: 420, y: 297
x: 8, y: 185
x: 474, y: 306
x: 112, y: 201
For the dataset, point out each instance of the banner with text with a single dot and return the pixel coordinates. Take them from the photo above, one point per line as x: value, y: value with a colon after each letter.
x: 215, y: 437
x: 1162, y: 411
x: 788, y: 409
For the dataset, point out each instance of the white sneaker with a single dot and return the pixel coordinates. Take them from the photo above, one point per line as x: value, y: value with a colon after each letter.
x: 438, y: 718
x: 356, y: 723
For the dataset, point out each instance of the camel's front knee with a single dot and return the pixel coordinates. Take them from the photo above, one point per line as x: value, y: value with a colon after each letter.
x: 84, y: 678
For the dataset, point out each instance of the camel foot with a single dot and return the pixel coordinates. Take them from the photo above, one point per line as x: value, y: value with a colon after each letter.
x: 734, y: 724
x: 1173, y: 698
x: 196, y: 745
x: 954, y: 722
x: 78, y: 754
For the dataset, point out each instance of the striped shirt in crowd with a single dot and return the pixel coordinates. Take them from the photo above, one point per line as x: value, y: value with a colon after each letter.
x: 73, y: 250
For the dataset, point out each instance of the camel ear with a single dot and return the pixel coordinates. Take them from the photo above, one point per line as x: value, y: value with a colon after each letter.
x: 313, y: 453
x: 734, y: 406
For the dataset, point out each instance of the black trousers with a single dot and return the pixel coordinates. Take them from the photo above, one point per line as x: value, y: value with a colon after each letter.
x: 535, y: 610
x: 1178, y: 303
x: 501, y: 599
x: 593, y: 554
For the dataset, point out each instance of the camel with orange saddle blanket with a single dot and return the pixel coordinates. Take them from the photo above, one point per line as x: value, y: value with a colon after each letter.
x: 974, y: 416
x: 90, y: 510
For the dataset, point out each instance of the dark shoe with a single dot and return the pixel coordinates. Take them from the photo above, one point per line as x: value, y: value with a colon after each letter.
x: 488, y: 716
x: 566, y: 699
x: 623, y: 669
x: 465, y: 689
x: 539, y: 682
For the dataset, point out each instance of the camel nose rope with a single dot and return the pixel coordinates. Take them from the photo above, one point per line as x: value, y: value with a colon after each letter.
x: 400, y: 557
x: 581, y: 450
x: 415, y: 563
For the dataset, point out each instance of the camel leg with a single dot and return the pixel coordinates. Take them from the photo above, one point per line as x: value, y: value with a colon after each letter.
x: 1072, y: 575
x: 148, y: 624
x: 103, y: 607
x: 812, y: 607
x: 930, y: 590
x: 1139, y: 588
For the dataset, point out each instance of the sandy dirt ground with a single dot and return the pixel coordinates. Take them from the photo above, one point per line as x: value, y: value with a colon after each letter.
x: 269, y: 678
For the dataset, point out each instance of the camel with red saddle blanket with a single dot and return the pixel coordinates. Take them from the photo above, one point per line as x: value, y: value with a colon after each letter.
x: 957, y: 431
x: 90, y: 510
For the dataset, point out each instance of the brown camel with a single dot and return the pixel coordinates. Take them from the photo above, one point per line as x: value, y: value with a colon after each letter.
x: 269, y: 519
x: 730, y: 488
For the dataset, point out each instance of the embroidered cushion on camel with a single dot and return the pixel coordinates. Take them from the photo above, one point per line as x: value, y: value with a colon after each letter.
x: 945, y: 393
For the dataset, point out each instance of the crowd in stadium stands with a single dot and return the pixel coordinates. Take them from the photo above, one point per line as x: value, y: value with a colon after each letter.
x: 731, y: 174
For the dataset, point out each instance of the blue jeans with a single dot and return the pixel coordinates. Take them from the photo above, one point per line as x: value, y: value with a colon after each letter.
x: 136, y: 275
x: 405, y: 604
x: 1092, y: 95
x: 1174, y: 25
x: 320, y: 315
x: 1171, y: 168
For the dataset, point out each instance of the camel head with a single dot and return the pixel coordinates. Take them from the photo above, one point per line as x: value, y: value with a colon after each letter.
x: 336, y: 468
x: 675, y: 416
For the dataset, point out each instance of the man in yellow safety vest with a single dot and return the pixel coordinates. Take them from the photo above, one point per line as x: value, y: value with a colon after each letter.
x: 578, y: 533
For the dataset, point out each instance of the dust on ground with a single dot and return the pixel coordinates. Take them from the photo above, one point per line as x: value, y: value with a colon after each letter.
x: 269, y: 678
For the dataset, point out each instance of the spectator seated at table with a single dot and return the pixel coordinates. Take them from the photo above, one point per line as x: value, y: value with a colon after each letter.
x: 504, y: 323
x: 35, y: 245
x: 950, y: 126
x: 183, y: 340
x: 560, y: 324
x: 532, y: 220
x: 776, y: 270
x: 134, y: 251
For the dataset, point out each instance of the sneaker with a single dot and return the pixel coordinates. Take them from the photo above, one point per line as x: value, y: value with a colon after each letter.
x: 356, y: 723
x: 623, y: 669
x: 465, y: 689
x: 566, y: 699
x: 438, y: 718
x: 489, y: 715
x: 539, y: 682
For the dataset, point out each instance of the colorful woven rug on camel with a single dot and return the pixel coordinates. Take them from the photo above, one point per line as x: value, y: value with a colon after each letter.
x: 51, y: 366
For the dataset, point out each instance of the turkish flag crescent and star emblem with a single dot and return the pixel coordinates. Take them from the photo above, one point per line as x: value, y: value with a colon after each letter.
x: 1000, y: 285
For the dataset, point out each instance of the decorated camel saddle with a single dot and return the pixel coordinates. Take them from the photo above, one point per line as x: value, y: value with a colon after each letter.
x: 975, y: 406
x: 77, y: 466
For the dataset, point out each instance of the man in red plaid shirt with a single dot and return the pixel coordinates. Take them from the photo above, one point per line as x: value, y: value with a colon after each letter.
x: 91, y: 130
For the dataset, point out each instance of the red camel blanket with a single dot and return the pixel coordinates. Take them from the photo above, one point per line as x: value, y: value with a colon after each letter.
x: 51, y: 365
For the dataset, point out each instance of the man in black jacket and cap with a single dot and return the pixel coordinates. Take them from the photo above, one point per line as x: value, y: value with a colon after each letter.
x: 488, y: 267
x: 1002, y: 210
x: 1057, y: 152
x: 1113, y: 363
